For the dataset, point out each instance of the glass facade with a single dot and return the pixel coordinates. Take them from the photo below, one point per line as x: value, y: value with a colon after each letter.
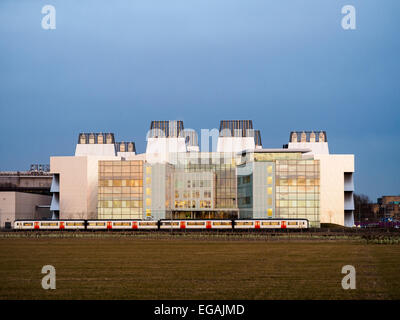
x: 276, y: 155
x: 211, y: 186
x: 120, y: 190
x: 297, y: 190
x: 204, y: 186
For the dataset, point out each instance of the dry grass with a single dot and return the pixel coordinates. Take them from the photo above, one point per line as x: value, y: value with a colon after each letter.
x: 134, y: 268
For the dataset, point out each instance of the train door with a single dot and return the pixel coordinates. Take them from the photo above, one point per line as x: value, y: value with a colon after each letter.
x: 257, y: 225
x: 208, y: 225
x: 283, y: 224
x: 37, y: 225
x: 134, y: 225
x: 109, y: 225
x: 62, y: 225
x: 183, y: 225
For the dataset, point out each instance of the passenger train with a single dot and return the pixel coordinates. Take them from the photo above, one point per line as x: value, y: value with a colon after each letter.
x: 93, y: 225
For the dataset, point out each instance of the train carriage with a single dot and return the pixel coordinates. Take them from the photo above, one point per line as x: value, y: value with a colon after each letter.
x: 240, y: 224
x: 196, y: 224
x: 49, y: 225
x: 122, y: 224
x: 271, y: 224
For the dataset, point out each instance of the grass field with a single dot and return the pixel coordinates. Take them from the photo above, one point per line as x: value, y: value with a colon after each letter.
x: 179, y: 268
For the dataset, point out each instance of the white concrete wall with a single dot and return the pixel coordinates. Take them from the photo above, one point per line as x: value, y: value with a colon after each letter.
x: 95, y: 150
x: 332, y: 169
x: 316, y: 147
x: 235, y: 144
x: 78, y: 185
x: 159, y: 149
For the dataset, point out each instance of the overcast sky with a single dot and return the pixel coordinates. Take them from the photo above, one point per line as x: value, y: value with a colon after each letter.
x: 113, y: 66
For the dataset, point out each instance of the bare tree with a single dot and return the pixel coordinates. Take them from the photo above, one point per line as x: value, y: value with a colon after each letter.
x: 362, y: 208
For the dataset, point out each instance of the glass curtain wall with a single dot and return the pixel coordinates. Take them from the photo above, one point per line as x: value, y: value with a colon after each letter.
x: 205, y: 185
x: 120, y: 193
x: 297, y: 190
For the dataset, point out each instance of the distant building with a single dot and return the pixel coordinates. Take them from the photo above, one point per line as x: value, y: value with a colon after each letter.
x: 389, y: 207
x: 21, y: 205
x: 174, y: 179
x: 25, y: 194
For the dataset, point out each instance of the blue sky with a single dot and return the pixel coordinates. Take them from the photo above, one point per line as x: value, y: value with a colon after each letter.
x: 113, y: 66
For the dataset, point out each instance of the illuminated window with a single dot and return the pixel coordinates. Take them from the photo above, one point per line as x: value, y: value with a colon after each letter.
x: 148, y: 202
x: 269, y: 170
x: 269, y: 211
x: 196, y: 194
x: 205, y: 204
x: 269, y: 180
x: 117, y: 183
x: 269, y: 190
x: 148, y: 212
x: 269, y: 201
x: 148, y: 170
x: 148, y: 180
x: 148, y: 191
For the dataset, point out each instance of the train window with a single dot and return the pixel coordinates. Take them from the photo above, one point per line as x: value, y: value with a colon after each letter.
x: 222, y: 223
x: 122, y: 224
x: 168, y: 223
x: 244, y: 223
x: 97, y: 224
x: 26, y: 224
x: 270, y: 223
x: 292, y: 223
x: 152, y: 223
x: 195, y: 223
x: 49, y: 224
x: 74, y: 224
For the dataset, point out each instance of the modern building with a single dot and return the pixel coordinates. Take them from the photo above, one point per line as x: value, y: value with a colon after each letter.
x: 25, y: 194
x: 22, y: 205
x: 389, y: 207
x: 174, y: 179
